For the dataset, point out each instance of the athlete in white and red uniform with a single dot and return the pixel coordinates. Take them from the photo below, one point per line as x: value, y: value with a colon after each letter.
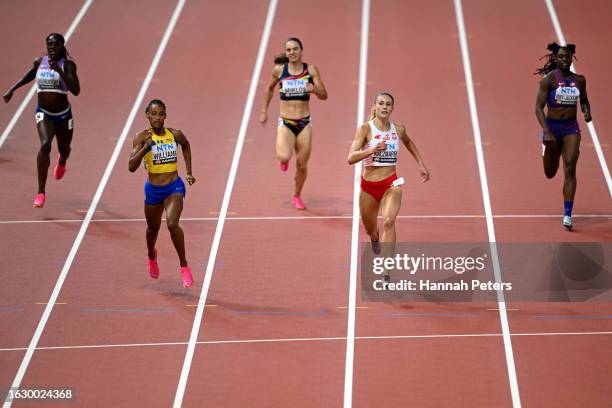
x: 55, y: 75
x: 377, y: 144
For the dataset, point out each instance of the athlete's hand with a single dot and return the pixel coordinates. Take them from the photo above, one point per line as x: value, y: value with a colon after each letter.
x: 190, y: 179
x: 380, y: 147
x: 424, y: 173
x: 148, y: 138
x: 548, y: 136
x: 54, y: 65
x: 310, y: 87
x: 263, y: 117
x: 8, y: 95
x: 587, y: 117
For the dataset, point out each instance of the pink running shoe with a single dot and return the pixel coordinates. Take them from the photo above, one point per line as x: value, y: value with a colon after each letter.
x: 39, y: 201
x: 59, y: 170
x: 153, y: 267
x: 187, y: 278
x: 284, y: 166
x: 298, y: 203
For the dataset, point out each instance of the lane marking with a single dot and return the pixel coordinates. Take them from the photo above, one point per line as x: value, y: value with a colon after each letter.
x: 512, y: 378
x: 306, y: 339
x: 352, y: 300
x: 32, y: 91
x: 180, y: 391
x: 94, y: 203
x: 591, y: 126
x: 313, y: 217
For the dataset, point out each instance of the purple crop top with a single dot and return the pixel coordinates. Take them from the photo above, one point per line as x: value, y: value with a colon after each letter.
x: 49, y: 80
x: 565, y: 94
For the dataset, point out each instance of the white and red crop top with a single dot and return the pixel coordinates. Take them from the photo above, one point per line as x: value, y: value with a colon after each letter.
x: 387, y: 157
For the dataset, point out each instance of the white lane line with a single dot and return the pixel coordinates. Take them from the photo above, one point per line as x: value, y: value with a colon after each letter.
x: 30, y: 94
x: 291, y: 218
x: 350, y: 331
x: 182, y: 384
x: 305, y: 339
x: 514, y: 390
x: 94, y: 203
x: 591, y: 126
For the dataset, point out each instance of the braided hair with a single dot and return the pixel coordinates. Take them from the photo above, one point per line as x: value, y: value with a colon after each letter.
x: 551, y: 64
x: 282, y: 58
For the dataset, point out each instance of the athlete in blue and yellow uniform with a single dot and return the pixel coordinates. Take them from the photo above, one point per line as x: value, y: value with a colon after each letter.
x: 157, y: 148
x: 296, y: 81
x: 560, y: 90
x: 55, y: 75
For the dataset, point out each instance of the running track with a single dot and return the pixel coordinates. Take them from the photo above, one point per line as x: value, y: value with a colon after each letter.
x: 274, y: 329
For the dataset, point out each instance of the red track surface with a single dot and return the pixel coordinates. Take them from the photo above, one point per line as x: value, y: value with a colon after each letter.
x: 288, y: 278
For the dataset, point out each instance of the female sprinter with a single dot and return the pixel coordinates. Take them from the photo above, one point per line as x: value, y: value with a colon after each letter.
x: 157, y: 147
x: 560, y: 89
x: 297, y: 80
x: 377, y: 143
x: 55, y: 75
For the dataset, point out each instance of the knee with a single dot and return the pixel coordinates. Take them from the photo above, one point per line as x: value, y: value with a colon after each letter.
x: 388, y: 222
x: 570, y: 168
x: 45, y: 146
x: 301, y: 164
x: 172, y: 224
x: 152, y: 229
x: 550, y: 173
x: 283, y: 157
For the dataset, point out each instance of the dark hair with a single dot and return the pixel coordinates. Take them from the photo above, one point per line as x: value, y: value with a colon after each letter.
x: 282, y: 58
x: 62, y: 41
x: 551, y: 64
x: 155, y: 102
x: 373, y: 111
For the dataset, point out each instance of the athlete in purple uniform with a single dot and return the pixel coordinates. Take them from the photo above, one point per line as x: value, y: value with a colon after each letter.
x: 561, y: 89
x: 55, y: 75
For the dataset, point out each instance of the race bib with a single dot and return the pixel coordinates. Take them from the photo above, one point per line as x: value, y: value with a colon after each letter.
x: 295, y: 87
x: 163, y: 153
x: 567, y: 95
x: 39, y: 116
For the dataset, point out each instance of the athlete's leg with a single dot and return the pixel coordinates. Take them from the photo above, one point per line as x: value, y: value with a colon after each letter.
x: 174, y: 207
x: 285, y: 142
x: 570, y: 153
x: 390, y: 206
x: 64, y: 139
x: 46, y: 131
x: 550, y: 157
x: 153, y: 214
x: 368, y: 206
x: 303, y: 147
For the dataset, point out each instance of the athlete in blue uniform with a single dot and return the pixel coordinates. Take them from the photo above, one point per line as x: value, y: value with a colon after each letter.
x: 560, y: 90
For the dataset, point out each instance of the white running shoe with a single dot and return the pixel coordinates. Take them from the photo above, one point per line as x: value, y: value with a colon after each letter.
x: 567, y: 222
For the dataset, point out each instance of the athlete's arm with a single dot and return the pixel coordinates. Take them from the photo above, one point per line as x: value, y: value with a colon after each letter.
x: 539, y: 107
x: 28, y: 77
x: 584, y: 99
x: 355, y: 153
x: 276, y: 73
x: 401, y: 129
x: 68, y: 75
x: 318, y: 88
x: 186, y: 147
x: 141, y: 143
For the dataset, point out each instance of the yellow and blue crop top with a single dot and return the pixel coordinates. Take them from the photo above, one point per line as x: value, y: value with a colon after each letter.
x: 161, y: 157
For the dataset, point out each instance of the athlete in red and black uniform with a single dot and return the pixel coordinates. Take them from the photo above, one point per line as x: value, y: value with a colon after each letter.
x: 296, y: 81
